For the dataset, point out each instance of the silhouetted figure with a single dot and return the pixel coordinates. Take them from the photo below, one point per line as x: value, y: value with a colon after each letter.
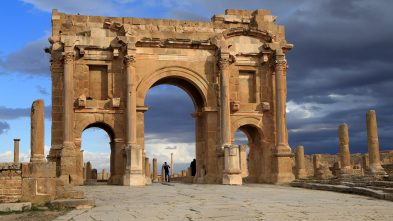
x: 193, y: 167
x: 166, y: 170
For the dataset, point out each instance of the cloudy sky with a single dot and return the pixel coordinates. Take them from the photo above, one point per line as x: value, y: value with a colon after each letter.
x: 341, y: 66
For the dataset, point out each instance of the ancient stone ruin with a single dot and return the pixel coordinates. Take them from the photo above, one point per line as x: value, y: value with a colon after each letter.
x: 233, y: 67
x: 364, y: 174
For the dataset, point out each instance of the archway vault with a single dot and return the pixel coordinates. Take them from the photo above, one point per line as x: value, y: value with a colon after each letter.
x: 190, y: 81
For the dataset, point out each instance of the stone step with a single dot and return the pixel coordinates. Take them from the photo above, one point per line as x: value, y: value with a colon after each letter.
x: 379, y: 194
x: 14, y: 207
x: 72, y: 203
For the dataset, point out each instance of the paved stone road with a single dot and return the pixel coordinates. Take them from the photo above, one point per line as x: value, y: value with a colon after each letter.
x: 219, y: 202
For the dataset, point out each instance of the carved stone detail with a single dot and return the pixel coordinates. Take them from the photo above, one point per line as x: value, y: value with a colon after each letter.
x: 69, y: 57
x: 235, y: 106
x: 129, y: 60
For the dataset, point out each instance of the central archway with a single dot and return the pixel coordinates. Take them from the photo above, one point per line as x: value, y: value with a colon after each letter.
x: 196, y: 87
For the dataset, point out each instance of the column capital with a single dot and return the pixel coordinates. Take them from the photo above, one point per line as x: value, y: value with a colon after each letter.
x: 225, y: 60
x: 129, y: 60
x: 280, y: 62
x: 68, y: 57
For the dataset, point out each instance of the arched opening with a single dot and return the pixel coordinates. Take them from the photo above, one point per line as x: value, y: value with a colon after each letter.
x: 96, y: 143
x: 174, y: 125
x: 249, y: 137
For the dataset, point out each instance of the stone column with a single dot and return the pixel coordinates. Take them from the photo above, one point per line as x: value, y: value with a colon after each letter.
x: 103, y: 177
x: 345, y: 156
x: 300, y: 172
x: 68, y: 96
x: 282, y: 154
x: 147, y: 167
x: 243, y: 160
x: 88, y: 171
x: 16, y: 150
x: 37, y: 132
x: 316, y: 158
x: 172, y: 170
x: 134, y: 176
x: 375, y: 167
x: 232, y: 171
x: 68, y: 162
x: 365, y: 163
x: 155, y: 170
x: 225, y: 99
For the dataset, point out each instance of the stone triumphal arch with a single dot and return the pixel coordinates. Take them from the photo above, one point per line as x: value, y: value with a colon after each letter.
x: 233, y: 68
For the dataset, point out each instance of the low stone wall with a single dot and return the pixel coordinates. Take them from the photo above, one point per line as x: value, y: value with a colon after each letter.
x: 10, y: 182
x: 388, y: 168
x: 356, y: 158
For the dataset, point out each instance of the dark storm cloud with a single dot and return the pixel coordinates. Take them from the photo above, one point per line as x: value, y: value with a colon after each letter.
x: 7, y: 113
x: 342, y: 48
x: 341, y: 66
x: 4, y: 126
x: 30, y: 60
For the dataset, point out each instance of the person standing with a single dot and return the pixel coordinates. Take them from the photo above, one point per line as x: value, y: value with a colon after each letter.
x: 193, y: 167
x: 166, y: 170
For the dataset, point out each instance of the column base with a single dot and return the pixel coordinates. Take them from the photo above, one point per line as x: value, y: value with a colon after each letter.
x: 301, y: 174
x: 232, y: 179
x: 115, y: 180
x: 133, y: 180
x: 376, y: 171
x: 68, y: 164
x: 282, y: 165
x: 147, y: 180
x: 345, y: 172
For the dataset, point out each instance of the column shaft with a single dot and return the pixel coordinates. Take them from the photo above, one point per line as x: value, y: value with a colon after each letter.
x: 281, y: 97
x: 301, y: 172
x: 155, y: 170
x: 37, y: 132
x: 131, y: 99
x: 16, y: 150
x: 225, y: 99
x: 373, y: 144
x: 68, y: 96
x: 345, y: 156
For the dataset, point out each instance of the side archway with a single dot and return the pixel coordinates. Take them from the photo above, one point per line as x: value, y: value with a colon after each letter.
x: 251, y: 156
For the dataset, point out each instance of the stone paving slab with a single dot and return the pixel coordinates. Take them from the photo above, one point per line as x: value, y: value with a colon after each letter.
x: 219, y: 202
x: 12, y: 207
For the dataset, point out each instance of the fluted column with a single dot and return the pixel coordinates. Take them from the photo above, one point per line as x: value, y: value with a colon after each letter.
x: 68, y: 162
x: 375, y: 167
x: 282, y: 153
x: 281, y: 99
x: 225, y: 99
x: 134, y: 176
x: 68, y: 102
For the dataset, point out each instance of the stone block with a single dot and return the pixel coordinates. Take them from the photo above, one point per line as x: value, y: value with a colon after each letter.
x: 38, y: 190
x: 232, y: 179
x: 39, y: 170
x: 72, y: 203
x: 15, y: 207
x: 115, y: 102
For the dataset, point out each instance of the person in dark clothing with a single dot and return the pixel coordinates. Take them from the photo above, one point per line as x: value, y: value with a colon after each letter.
x: 193, y: 167
x: 166, y: 169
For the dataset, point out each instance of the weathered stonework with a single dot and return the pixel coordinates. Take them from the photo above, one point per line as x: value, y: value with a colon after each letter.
x: 233, y: 67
